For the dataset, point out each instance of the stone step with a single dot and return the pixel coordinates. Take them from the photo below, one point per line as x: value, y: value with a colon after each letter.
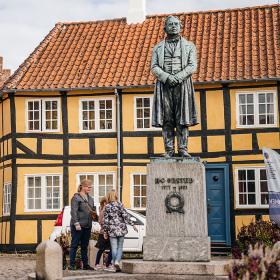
x: 212, y: 268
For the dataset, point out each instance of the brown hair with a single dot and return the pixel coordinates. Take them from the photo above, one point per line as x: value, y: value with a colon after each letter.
x: 112, y: 196
x: 83, y: 183
x: 102, y: 202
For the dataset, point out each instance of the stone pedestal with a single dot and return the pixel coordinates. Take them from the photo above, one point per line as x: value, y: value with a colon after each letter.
x: 176, y: 212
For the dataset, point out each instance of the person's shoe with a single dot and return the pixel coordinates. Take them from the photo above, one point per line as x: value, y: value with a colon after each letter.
x: 184, y: 153
x: 110, y: 268
x: 117, y: 267
x: 71, y: 267
x: 98, y: 267
x: 88, y: 267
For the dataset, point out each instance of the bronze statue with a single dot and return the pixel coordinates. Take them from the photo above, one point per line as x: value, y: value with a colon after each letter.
x: 173, y: 62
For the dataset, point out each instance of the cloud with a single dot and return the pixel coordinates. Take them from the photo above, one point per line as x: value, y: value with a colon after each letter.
x: 23, y: 24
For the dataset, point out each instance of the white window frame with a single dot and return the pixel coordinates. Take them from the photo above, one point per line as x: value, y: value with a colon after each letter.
x: 96, y: 182
x: 132, y: 192
x: 135, y: 113
x: 97, y: 119
x: 256, y: 109
x: 258, y: 204
x: 43, y: 193
x: 42, y: 118
x: 7, y: 194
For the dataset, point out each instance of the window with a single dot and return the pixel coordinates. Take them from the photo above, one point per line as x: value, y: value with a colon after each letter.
x: 139, y: 191
x: 143, y: 112
x: 43, y: 115
x: 96, y: 115
x: 43, y: 192
x: 252, y: 190
x: 7, y: 198
x: 102, y: 183
x: 256, y: 109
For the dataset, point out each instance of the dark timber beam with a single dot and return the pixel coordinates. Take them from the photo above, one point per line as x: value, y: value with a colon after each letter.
x: 14, y: 170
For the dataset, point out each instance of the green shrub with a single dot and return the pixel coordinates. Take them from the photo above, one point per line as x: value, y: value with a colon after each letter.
x: 259, y: 232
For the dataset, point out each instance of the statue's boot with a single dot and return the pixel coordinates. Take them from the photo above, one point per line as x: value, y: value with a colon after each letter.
x: 182, y: 134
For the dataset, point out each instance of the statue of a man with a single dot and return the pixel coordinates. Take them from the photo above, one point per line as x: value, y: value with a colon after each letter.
x: 173, y: 62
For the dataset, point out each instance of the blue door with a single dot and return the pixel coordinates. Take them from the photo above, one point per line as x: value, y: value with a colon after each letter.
x: 218, y: 203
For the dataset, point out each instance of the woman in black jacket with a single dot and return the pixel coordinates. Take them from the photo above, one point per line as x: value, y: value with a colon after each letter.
x: 82, y: 213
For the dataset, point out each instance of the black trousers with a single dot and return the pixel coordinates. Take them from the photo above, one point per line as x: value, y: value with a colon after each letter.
x: 171, y: 120
x: 79, y: 237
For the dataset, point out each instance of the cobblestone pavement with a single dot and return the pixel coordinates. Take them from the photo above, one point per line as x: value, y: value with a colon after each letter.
x: 16, y: 266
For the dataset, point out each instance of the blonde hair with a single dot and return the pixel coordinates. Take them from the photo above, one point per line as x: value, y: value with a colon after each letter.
x: 103, y: 201
x: 112, y: 196
x: 83, y: 183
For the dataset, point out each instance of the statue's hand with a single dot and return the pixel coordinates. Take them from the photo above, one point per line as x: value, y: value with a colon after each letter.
x: 172, y: 80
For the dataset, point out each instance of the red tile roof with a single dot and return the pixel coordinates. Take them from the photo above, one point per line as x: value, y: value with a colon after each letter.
x: 238, y: 44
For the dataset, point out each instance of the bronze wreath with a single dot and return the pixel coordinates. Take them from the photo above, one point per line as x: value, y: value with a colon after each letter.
x: 174, y: 208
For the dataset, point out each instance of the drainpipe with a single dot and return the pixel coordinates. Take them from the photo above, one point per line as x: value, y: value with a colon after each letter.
x: 119, y: 160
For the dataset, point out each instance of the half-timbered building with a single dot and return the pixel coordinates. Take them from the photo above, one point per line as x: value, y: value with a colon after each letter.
x: 80, y: 107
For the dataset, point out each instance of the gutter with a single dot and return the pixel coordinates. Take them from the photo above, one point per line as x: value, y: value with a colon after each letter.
x: 119, y: 140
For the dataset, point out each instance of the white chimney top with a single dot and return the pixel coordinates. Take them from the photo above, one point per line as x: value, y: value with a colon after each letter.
x: 136, y: 11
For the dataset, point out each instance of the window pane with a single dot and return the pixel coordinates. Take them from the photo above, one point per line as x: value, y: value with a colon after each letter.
x: 101, y: 179
x: 85, y: 105
x: 270, y: 119
x: 48, y: 105
x: 37, y: 204
x: 269, y: 97
x: 139, y: 102
x: 91, y: 105
x: 241, y: 98
x: 102, y: 124
x: 147, y: 102
x: 143, y: 202
x: 139, y: 123
x: 264, y: 186
x: 264, y: 198
x: 242, y: 199
x: 136, y: 190
x: 250, y: 109
x: 146, y: 123
x: 136, y: 179
x: 102, y: 104
x: 263, y: 174
x: 251, y: 175
x: 250, y: 119
x: 241, y: 174
x: 251, y: 187
x: 109, y: 179
x: 270, y: 108
x: 144, y: 193
x: 30, y: 181
x: 91, y: 125
x: 144, y: 179
x: 251, y: 199
x: 262, y: 108
x: 91, y: 115
x: 242, y: 186
x: 249, y: 98
x: 262, y: 119
x: 136, y: 202
x: 109, y: 104
x: 140, y: 113
x: 109, y: 125
x: 261, y: 98
x: 102, y: 114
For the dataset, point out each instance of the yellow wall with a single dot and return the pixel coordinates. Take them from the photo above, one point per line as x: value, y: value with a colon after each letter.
x: 7, y: 119
x: 52, y: 146
x: 79, y: 146
x: 135, y: 145
x: 26, y: 232
x: 30, y: 143
x: 47, y: 228
x: 269, y: 140
x: 215, y: 109
x: 106, y: 145
x: 216, y: 143
x: 5, y: 232
x: 241, y: 142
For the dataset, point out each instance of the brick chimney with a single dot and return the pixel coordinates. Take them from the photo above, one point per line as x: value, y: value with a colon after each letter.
x: 4, y: 73
x: 136, y: 11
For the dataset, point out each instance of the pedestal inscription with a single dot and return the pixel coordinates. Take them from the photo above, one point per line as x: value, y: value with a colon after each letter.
x: 176, y: 212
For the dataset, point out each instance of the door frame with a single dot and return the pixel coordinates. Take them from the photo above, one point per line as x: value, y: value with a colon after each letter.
x: 227, y: 197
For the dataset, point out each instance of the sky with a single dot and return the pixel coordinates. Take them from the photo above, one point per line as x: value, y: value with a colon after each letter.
x: 24, y: 23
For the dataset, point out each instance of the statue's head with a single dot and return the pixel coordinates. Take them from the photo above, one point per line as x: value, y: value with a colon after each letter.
x: 172, y: 25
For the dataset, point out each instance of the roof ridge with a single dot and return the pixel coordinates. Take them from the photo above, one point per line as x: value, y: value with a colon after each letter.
x: 22, y: 69
x: 216, y: 11
x: 166, y: 14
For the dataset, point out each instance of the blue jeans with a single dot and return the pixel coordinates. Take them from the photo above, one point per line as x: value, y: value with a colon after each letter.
x: 117, y: 248
x: 79, y: 237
